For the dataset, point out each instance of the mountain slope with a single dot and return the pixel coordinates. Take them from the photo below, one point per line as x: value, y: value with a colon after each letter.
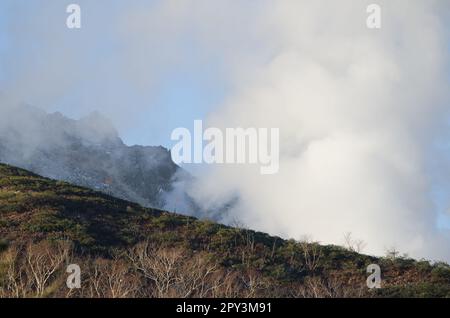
x: 86, y: 152
x: 130, y: 244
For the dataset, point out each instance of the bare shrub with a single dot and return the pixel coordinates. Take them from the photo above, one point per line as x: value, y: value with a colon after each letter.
x: 174, y: 272
x: 392, y: 253
x: 13, y: 277
x: 353, y: 245
x: 43, y: 260
x: 112, y: 279
x: 195, y: 277
x: 31, y: 271
x: 312, y: 253
x: 160, y: 265
x: 316, y: 287
x: 254, y: 284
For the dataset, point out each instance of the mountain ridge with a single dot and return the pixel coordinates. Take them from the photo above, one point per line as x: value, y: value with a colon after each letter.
x: 88, y: 152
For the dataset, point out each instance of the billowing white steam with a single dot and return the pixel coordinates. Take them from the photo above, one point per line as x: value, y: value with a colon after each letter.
x: 357, y: 111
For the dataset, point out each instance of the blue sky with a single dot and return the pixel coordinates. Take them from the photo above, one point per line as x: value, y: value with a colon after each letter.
x: 179, y: 94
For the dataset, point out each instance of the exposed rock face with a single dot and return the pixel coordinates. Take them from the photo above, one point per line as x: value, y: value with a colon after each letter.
x: 86, y: 152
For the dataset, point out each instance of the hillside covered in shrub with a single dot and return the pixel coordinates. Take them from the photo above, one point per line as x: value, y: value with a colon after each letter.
x: 125, y: 250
